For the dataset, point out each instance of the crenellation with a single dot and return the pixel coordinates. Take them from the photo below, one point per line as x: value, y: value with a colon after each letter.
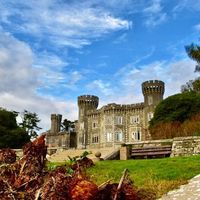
x: 153, y: 86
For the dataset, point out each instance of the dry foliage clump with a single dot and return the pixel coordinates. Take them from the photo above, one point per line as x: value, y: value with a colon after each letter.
x: 166, y: 130
x: 27, y: 179
x: 7, y: 156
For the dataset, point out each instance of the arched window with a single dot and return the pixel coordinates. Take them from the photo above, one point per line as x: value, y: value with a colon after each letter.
x: 118, y: 136
x: 109, y: 137
x: 95, y: 139
x: 136, y: 135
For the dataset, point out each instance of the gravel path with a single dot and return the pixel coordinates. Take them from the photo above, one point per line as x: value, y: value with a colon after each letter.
x: 190, y: 191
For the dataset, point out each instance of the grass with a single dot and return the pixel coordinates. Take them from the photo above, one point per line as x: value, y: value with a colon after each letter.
x: 157, y: 175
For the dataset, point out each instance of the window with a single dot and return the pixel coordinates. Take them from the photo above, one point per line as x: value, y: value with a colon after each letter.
x: 149, y: 116
x: 118, y: 136
x: 118, y: 120
x: 94, y: 124
x: 95, y: 139
x: 136, y: 135
x: 150, y: 100
x: 109, y: 137
x: 135, y: 119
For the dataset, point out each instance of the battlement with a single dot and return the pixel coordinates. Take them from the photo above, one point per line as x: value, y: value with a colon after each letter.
x: 135, y: 105
x: 55, y: 116
x: 93, y: 113
x: 114, y: 106
x: 88, y: 100
x: 153, y: 86
x: 87, y: 97
x: 153, y: 81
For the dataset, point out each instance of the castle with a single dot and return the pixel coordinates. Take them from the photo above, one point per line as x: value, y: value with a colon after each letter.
x: 111, y: 125
x: 114, y: 124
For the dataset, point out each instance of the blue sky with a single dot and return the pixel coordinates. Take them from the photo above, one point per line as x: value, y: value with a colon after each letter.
x: 52, y: 51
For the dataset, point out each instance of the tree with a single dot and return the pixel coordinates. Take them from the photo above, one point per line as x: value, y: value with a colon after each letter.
x: 193, y: 52
x: 68, y: 125
x: 11, y: 135
x: 176, y: 108
x: 176, y: 116
x: 30, y: 123
x: 191, y: 85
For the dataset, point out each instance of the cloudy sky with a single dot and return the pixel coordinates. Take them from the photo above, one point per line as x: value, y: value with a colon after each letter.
x: 52, y: 51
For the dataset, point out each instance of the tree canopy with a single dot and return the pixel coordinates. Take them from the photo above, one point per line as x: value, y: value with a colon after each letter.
x: 67, y: 125
x: 30, y: 123
x: 178, y: 107
x: 11, y: 135
x: 193, y: 52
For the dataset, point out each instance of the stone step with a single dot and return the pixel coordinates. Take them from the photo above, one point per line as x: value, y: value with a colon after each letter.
x: 63, y: 155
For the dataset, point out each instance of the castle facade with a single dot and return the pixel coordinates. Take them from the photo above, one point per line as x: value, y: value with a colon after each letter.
x: 115, y: 124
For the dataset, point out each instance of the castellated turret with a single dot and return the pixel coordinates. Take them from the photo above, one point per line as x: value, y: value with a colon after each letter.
x: 153, y: 91
x: 87, y: 103
x: 55, y: 123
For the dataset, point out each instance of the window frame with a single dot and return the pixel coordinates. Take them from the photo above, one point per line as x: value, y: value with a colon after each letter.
x: 135, y: 119
x: 109, y: 137
x: 118, y: 120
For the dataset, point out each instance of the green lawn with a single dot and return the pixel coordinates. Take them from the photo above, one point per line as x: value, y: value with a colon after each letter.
x: 158, y: 175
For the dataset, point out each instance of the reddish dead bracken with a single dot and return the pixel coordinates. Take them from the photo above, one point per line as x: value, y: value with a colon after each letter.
x: 26, y: 179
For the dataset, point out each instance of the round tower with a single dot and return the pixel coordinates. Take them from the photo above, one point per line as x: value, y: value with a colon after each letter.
x: 153, y: 91
x: 87, y: 103
x: 55, y: 123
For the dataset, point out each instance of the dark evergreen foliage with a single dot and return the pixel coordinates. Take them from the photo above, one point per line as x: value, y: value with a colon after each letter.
x: 193, y: 52
x: 30, y: 123
x: 178, y: 107
x: 11, y: 135
x: 67, y: 125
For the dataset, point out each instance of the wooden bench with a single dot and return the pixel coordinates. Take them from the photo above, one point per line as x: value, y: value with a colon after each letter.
x: 151, y: 152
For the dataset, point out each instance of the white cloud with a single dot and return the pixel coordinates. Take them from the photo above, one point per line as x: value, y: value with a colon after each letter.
x: 64, y: 24
x: 73, y: 78
x: 127, y: 82
x: 51, y: 69
x: 19, y: 81
x: 154, y: 14
x: 174, y: 74
x: 51, y: 61
x: 193, y: 5
x: 16, y: 72
x: 44, y: 107
x: 155, y: 7
x: 99, y: 86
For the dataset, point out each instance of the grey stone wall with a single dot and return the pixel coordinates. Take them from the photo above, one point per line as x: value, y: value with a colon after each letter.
x: 181, y: 146
x: 186, y: 146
